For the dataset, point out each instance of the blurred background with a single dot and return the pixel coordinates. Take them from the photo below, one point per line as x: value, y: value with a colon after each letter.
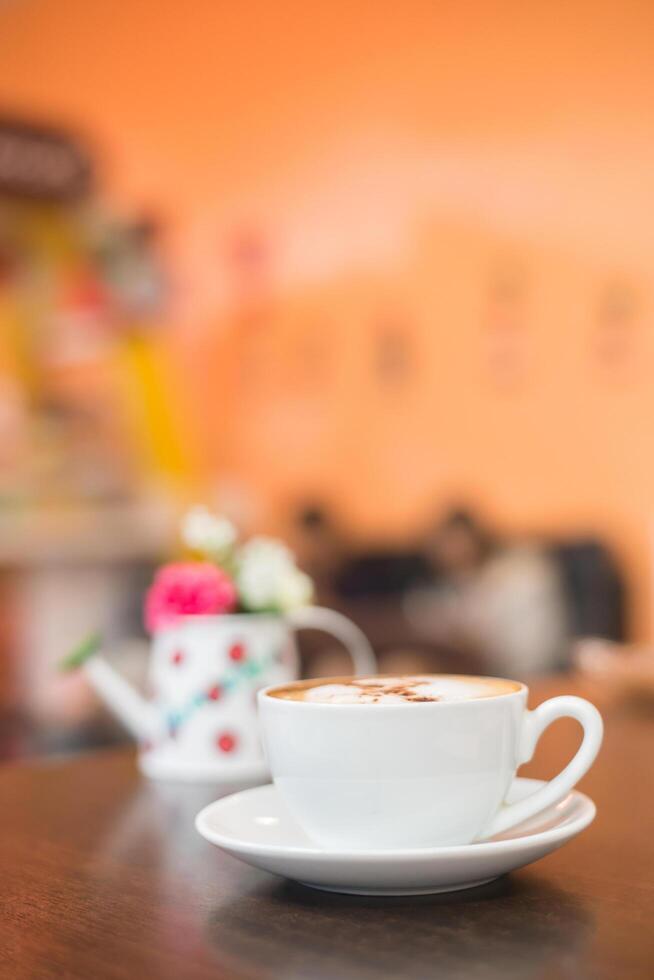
x: 373, y: 277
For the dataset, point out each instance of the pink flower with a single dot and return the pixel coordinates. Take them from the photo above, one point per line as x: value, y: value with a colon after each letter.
x: 187, y: 589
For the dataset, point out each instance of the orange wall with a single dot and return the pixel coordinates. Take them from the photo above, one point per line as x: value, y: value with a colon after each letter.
x: 477, y: 175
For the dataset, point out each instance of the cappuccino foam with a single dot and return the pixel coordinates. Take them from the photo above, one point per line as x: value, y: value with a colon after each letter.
x: 413, y: 689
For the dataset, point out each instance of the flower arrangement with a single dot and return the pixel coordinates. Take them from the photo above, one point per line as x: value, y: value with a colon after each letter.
x: 225, y: 576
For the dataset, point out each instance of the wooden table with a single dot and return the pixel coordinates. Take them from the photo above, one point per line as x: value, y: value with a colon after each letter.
x: 102, y: 875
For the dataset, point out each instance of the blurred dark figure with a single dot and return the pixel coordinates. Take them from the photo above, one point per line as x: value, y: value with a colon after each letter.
x: 322, y: 549
x: 344, y: 572
x: 365, y: 583
x: 594, y: 589
x: 382, y: 572
x: 500, y: 603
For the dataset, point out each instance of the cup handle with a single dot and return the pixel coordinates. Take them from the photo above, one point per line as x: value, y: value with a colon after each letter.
x: 534, y: 724
x: 340, y: 627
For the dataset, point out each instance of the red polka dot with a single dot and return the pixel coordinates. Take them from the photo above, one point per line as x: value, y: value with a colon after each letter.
x: 226, y: 742
x: 178, y: 657
x: 237, y: 652
x: 215, y: 693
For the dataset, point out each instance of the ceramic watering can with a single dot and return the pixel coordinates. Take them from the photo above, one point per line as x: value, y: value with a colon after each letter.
x: 204, y: 672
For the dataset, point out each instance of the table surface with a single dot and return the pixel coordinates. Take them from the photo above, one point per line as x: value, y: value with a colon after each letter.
x: 102, y: 875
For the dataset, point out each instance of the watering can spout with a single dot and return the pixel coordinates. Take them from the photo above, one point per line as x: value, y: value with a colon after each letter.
x: 138, y: 715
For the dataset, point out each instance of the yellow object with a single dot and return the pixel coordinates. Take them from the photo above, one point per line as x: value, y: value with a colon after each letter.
x: 147, y: 402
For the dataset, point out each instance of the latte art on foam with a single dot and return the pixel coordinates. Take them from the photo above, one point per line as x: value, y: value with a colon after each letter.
x: 415, y: 689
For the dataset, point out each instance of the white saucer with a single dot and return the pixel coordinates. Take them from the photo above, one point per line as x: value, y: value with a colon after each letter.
x: 256, y: 827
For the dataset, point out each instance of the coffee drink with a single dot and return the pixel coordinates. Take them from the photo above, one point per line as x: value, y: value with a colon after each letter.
x: 413, y: 689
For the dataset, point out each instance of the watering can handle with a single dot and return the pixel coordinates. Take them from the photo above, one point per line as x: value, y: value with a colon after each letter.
x: 340, y: 627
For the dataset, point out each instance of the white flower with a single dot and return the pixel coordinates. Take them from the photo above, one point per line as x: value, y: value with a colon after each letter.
x: 294, y: 590
x: 262, y: 562
x: 207, y: 533
x: 267, y: 577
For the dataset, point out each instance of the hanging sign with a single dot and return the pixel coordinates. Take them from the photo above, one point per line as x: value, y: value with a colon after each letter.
x: 41, y: 162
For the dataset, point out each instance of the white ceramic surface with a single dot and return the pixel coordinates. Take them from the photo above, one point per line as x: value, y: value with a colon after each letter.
x: 255, y: 826
x: 201, y: 722
x: 359, y: 776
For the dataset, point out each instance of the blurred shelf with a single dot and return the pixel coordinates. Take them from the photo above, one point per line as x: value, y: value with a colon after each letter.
x: 99, y: 534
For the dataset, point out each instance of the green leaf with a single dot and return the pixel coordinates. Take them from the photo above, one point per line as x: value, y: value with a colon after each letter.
x: 90, y: 645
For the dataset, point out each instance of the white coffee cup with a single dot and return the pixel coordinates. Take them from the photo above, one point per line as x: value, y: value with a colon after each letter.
x: 411, y: 775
